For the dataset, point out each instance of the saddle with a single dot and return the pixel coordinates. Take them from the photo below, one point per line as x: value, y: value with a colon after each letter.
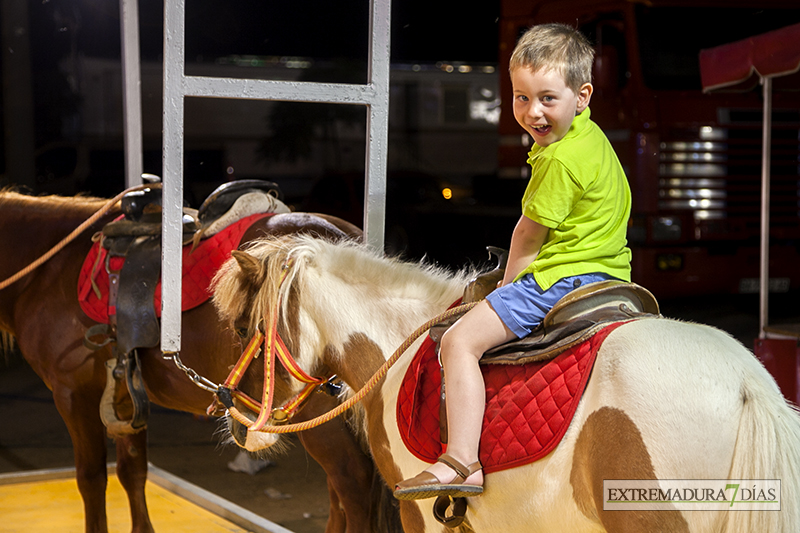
x: 134, y: 242
x: 574, y: 318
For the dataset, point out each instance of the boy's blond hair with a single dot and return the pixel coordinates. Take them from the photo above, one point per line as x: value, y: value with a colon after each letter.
x: 558, y: 47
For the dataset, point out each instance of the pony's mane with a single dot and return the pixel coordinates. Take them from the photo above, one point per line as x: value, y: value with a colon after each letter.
x: 352, y: 263
x: 358, y: 264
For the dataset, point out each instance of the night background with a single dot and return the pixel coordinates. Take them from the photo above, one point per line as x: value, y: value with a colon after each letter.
x: 75, y: 44
x: 456, y: 169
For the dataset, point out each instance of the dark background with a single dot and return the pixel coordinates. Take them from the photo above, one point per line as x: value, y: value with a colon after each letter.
x: 335, y: 33
x: 421, y: 31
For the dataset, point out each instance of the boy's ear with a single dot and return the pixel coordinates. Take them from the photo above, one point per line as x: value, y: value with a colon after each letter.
x: 584, y: 95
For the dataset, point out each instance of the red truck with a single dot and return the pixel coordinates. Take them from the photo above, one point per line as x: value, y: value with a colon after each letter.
x: 693, y: 160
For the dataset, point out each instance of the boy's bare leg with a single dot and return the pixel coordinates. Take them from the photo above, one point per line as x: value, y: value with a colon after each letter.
x: 462, y: 346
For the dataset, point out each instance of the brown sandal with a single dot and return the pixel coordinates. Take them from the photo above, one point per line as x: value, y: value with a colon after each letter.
x: 426, y: 485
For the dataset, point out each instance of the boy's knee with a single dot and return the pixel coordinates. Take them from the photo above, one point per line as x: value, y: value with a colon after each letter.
x: 454, y: 348
x: 449, y: 339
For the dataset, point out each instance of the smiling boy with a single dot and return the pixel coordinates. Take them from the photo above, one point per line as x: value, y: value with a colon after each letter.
x: 572, y: 231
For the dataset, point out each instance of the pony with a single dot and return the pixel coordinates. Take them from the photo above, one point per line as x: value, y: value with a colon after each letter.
x: 42, y: 315
x: 666, y: 399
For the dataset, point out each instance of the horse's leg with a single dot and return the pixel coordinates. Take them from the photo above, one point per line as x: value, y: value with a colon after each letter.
x: 337, y: 521
x: 132, y: 463
x: 350, y: 470
x: 132, y: 475
x: 79, y: 409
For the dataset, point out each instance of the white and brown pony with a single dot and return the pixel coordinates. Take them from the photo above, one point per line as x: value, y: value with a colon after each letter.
x: 666, y: 400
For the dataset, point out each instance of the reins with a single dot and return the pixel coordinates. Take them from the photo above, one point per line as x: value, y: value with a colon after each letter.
x: 373, y: 381
x: 72, y: 236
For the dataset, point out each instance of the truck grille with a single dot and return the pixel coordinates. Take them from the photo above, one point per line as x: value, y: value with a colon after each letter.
x: 715, y: 173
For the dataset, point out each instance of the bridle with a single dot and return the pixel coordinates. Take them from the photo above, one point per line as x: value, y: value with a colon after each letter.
x: 224, y: 394
x: 274, y: 349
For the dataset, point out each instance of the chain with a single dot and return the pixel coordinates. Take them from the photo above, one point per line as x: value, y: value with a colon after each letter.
x: 197, y: 379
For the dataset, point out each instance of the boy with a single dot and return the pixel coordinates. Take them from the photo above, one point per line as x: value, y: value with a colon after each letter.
x: 572, y: 231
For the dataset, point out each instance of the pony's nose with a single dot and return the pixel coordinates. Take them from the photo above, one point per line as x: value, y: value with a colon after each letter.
x: 251, y: 441
x: 258, y: 440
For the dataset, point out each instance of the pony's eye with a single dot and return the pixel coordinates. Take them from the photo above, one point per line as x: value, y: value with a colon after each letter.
x: 241, y: 332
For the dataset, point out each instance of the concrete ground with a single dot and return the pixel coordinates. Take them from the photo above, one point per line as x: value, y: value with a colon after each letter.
x: 292, y: 492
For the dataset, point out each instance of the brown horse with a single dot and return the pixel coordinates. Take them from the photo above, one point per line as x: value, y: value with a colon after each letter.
x: 41, y: 311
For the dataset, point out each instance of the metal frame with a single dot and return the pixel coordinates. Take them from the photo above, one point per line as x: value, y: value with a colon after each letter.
x: 766, y: 154
x: 177, y: 86
x: 131, y: 92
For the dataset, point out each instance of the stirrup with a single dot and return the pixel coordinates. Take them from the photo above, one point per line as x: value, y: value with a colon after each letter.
x: 457, y: 507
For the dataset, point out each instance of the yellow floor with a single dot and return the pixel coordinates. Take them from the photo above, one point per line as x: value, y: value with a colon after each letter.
x: 51, y: 505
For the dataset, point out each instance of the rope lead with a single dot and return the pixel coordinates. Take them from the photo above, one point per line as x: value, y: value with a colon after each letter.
x: 373, y: 381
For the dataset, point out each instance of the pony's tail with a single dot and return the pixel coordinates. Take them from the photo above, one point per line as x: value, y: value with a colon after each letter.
x: 767, y: 447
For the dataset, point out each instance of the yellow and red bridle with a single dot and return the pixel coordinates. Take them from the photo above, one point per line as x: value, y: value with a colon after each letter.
x: 274, y: 347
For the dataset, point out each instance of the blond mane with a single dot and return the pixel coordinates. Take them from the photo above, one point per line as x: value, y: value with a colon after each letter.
x: 332, y: 271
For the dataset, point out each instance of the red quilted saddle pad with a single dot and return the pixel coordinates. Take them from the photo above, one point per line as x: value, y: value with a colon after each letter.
x: 199, y: 267
x: 528, y: 407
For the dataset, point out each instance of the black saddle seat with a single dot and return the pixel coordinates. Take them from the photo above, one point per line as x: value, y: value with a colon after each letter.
x: 223, y: 197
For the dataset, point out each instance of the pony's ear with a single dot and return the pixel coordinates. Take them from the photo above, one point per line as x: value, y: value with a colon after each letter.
x: 250, y: 266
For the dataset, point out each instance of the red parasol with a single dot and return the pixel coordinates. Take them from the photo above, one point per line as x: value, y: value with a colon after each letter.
x: 740, y: 65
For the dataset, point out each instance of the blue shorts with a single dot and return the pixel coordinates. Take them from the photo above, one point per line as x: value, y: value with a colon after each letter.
x: 522, y: 305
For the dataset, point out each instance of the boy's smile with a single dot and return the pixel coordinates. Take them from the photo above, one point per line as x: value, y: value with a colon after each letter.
x: 543, y: 104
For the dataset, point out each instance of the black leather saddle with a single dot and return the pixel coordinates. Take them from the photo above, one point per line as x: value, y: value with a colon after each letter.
x: 137, y: 237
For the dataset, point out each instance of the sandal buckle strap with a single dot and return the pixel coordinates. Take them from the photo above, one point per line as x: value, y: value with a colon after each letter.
x: 458, y: 467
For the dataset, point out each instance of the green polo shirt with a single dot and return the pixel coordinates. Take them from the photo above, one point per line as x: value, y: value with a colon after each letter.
x: 579, y: 191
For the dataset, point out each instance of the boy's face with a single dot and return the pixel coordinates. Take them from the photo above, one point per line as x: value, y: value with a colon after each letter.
x: 543, y: 104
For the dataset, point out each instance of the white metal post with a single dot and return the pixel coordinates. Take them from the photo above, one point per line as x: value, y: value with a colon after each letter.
x: 131, y: 91
x: 377, y: 124
x: 766, y: 155
x: 172, y: 161
x: 374, y: 95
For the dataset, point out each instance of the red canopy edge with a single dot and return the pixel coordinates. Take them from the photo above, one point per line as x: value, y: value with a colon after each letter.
x: 775, y: 53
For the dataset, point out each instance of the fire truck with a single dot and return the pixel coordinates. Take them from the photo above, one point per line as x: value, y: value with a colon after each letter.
x: 693, y: 160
